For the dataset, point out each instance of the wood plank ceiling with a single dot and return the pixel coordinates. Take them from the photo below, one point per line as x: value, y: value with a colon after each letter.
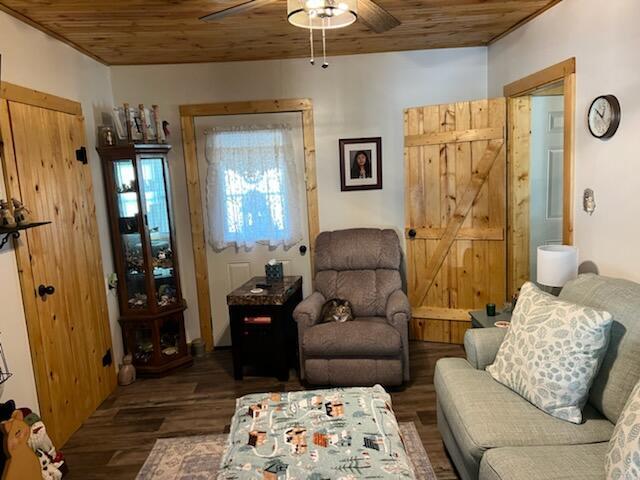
x: 124, y: 32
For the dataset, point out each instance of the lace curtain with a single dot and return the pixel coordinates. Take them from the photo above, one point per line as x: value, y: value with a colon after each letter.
x: 252, y: 188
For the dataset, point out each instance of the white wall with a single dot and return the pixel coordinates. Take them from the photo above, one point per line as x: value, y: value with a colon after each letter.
x: 605, y: 38
x: 357, y: 96
x: 32, y: 59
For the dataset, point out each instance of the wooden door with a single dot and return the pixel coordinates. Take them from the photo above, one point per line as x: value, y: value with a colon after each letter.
x: 455, y: 207
x: 69, y: 330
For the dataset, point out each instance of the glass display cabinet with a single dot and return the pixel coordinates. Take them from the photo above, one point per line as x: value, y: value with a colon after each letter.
x: 142, y: 232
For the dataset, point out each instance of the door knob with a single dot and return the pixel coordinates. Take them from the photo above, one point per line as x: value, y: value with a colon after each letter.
x: 303, y: 249
x: 412, y: 233
x: 43, y: 291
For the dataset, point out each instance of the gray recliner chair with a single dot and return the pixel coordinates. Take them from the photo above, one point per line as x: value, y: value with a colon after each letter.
x: 362, y: 266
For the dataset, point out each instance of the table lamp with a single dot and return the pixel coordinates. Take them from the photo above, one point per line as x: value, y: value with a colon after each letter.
x: 557, y: 264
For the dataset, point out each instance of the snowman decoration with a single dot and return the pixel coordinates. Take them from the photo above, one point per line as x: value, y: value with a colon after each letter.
x: 20, y: 212
x: 7, y: 219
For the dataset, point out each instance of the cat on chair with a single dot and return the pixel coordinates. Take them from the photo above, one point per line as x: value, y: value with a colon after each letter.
x: 337, y: 310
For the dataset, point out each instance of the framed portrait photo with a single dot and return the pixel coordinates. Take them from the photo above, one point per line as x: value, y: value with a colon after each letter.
x: 361, y: 164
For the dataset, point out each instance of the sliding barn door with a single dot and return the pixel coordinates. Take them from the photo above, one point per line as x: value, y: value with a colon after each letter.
x: 455, y: 162
x: 69, y: 327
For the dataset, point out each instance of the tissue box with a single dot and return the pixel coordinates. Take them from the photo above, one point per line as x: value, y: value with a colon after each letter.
x: 273, y: 272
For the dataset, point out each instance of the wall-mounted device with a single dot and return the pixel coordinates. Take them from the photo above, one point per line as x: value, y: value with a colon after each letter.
x: 589, y: 201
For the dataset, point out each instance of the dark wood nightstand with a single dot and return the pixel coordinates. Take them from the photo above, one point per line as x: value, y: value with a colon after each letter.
x: 480, y: 319
x: 263, y: 332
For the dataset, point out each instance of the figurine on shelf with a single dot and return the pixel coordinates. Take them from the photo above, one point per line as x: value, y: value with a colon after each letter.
x: 6, y: 217
x: 127, y: 373
x: 144, y: 351
x: 169, y: 344
x: 109, y: 140
x: 166, y: 295
x: 142, y: 356
x: 169, y: 351
x: 20, y: 212
x: 163, y: 259
x: 165, y: 254
x: 127, y: 187
x: 139, y: 300
x: 134, y: 259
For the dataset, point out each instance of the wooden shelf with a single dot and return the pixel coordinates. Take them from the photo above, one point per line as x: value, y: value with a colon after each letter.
x: 14, y: 232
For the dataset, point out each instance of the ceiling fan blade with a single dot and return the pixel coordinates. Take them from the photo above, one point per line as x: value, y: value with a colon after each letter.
x: 235, y: 10
x: 375, y: 17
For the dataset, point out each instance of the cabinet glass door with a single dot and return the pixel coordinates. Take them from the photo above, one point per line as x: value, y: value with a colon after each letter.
x: 154, y: 188
x: 130, y: 233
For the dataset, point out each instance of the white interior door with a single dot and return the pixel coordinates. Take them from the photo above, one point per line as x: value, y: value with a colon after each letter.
x: 546, y: 173
x: 229, y: 268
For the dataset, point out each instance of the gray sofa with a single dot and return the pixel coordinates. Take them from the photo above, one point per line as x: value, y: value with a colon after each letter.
x: 362, y: 266
x: 492, y: 433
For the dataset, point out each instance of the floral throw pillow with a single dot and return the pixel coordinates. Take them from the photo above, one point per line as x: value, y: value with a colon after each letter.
x: 623, y: 458
x: 552, y: 352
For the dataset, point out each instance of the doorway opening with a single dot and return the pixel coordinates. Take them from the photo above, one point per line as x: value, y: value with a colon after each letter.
x: 541, y: 111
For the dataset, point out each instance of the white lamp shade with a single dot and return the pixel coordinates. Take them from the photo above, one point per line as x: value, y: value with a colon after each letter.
x: 557, y: 264
x: 318, y: 14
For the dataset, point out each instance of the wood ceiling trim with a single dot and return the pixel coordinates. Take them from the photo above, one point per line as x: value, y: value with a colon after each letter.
x: 523, y: 22
x: 50, y: 32
x: 128, y: 32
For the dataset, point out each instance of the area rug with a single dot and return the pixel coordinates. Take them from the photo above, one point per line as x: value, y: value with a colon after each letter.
x: 198, y: 457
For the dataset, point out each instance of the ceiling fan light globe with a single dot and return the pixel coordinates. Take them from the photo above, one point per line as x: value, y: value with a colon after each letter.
x: 309, y: 14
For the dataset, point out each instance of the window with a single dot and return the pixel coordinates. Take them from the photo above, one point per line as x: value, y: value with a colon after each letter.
x: 252, y: 189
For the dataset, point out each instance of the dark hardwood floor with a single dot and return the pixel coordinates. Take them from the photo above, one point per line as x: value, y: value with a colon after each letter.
x: 114, y: 443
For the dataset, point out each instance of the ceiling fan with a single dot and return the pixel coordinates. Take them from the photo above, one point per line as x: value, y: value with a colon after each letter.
x: 319, y: 15
x: 369, y: 12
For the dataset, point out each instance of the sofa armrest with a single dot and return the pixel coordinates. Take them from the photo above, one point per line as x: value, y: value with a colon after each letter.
x: 307, y: 313
x: 482, y: 345
x: 398, y: 308
x: 398, y: 313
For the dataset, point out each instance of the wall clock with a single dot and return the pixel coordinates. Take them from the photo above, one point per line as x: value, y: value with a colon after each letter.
x: 604, y: 116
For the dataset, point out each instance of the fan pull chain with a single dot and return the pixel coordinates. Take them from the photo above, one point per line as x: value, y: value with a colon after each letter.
x: 313, y: 57
x: 325, y: 64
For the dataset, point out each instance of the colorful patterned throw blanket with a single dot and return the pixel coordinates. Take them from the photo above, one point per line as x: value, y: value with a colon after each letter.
x: 338, y: 434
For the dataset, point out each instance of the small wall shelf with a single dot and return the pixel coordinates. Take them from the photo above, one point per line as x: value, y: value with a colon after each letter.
x: 14, y: 232
x: 4, y: 376
x: 4, y: 368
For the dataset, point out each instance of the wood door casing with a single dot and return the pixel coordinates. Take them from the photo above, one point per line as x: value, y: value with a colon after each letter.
x: 68, y: 331
x: 518, y: 152
x: 455, y: 168
x: 188, y: 114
